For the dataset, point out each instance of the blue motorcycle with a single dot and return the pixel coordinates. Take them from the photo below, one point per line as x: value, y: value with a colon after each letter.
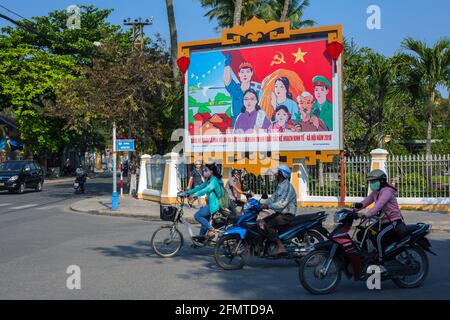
x: 246, y: 238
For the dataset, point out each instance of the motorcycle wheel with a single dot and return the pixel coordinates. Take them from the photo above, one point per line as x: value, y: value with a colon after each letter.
x: 413, y: 281
x: 310, y: 275
x: 313, y: 237
x: 228, y: 256
x: 167, y: 241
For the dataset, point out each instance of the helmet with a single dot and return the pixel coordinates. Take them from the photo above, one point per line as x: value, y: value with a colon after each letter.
x: 285, y: 170
x: 376, y: 174
x: 235, y: 171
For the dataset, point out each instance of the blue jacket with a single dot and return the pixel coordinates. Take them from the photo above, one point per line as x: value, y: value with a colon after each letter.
x: 211, y: 188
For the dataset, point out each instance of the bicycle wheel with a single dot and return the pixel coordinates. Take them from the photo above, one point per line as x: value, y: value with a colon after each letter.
x: 167, y: 241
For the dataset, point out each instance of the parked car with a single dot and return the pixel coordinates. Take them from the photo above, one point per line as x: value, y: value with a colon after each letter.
x: 16, y: 176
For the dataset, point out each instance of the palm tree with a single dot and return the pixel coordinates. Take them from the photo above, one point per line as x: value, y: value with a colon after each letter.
x: 230, y: 13
x: 429, y: 67
x: 226, y: 11
x: 237, y: 12
x: 381, y: 73
x: 287, y: 10
x: 173, y: 40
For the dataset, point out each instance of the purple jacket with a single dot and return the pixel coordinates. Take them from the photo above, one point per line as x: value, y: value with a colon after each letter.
x: 386, y: 202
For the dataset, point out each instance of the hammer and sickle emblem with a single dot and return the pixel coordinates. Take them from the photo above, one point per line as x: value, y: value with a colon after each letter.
x: 278, y: 58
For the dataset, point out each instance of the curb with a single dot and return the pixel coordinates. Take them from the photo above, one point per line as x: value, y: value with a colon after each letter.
x: 328, y: 226
x: 127, y: 215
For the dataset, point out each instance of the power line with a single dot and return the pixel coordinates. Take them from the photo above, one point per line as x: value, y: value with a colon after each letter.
x: 32, y: 30
x: 9, y: 10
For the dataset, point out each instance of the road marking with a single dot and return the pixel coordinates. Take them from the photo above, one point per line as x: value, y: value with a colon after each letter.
x: 48, y: 207
x: 5, y: 204
x: 24, y: 207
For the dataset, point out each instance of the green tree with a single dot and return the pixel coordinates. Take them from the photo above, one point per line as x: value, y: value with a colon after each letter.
x: 429, y: 67
x: 137, y: 93
x: 373, y: 103
x: 287, y: 10
x: 226, y: 11
x: 38, y: 58
x: 28, y: 77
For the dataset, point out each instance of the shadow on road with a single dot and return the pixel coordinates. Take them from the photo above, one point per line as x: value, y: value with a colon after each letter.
x: 278, y: 279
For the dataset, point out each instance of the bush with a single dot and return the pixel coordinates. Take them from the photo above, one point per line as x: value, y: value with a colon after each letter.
x: 415, y: 180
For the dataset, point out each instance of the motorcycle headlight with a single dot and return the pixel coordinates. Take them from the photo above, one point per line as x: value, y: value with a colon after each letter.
x: 13, y: 178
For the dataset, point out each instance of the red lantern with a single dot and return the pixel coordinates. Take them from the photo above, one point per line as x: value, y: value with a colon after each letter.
x: 183, y: 64
x: 334, y: 49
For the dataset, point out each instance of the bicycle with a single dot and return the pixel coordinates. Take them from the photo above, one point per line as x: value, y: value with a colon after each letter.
x: 167, y: 241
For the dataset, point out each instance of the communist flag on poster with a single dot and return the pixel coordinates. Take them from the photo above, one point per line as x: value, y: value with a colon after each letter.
x: 299, y: 62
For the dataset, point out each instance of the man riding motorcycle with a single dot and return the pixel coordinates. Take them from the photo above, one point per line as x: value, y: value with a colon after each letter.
x: 284, y: 202
x: 385, y: 197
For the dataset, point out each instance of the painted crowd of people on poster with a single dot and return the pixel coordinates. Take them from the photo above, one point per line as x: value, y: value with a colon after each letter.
x: 280, y: 93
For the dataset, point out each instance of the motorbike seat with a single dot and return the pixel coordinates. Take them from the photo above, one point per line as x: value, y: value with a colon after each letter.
x: 410, y: 228
x: 302, y: 218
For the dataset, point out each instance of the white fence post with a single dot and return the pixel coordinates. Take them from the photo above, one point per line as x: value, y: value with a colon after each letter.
x: 303, y: 183
x: 379, y: 157
x: 169, y: 188
x: 143, y: 175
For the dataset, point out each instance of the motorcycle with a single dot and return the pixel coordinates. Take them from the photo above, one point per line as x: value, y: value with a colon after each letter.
x: 405, y: 259
x: 80, y: 181
x: 245, y: 238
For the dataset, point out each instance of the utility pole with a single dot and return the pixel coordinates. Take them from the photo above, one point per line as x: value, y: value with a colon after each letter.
x: 138, y: 31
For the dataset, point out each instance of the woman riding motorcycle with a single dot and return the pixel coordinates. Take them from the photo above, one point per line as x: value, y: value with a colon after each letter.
x: 210, y: 187
x: 385, y: 197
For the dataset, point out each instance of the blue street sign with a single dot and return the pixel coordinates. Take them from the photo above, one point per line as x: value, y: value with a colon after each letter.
x: 125, y: 145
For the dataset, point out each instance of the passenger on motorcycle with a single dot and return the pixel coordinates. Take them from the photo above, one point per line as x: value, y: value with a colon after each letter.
x: 211, y: 188
x: 284, y: 202
x: 385, y: 197
x: 234, y: 188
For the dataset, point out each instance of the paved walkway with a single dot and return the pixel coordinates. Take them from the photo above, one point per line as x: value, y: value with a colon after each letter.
x: 149, y: 210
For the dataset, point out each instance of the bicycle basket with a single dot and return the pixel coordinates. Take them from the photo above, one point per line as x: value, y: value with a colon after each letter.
x: 167, y: 213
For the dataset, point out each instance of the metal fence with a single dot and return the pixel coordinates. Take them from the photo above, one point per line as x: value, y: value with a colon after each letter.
x: 258, y: 184
x: 414, y: 176
x: 356, y: 170
x: 323, y: 179
x: 184, y: 172
x: 155, y: 173
x: 419, y: 176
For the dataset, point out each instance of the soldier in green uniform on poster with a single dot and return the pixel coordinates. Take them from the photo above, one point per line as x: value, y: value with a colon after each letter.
x: 322, y: 107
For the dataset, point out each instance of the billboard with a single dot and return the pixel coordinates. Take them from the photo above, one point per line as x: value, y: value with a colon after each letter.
x: 280, y: 96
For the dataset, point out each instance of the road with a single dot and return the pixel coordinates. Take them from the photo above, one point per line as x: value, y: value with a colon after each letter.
x: 40, y: 238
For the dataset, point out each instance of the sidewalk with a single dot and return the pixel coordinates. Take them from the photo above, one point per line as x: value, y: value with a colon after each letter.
x: 149, y: 210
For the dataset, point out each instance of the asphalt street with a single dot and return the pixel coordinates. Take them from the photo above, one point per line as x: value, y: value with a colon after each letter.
x: 40, y: 238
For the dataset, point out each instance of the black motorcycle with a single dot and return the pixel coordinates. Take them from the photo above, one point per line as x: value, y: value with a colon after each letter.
x: 80, y: 181
x: 405, y: 259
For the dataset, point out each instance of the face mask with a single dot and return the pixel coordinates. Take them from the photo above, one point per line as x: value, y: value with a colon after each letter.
x: 206, y: 174
x: 374, y: 186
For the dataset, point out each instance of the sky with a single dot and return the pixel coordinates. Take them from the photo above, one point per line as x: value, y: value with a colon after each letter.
x: 424, y: 20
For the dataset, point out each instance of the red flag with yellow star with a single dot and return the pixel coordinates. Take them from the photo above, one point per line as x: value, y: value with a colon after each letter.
x: 299, y: 62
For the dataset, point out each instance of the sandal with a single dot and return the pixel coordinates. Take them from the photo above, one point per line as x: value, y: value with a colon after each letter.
x: 211, y: 233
